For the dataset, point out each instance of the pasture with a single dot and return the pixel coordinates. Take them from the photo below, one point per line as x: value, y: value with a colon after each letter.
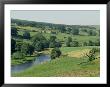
x: 65, y: 66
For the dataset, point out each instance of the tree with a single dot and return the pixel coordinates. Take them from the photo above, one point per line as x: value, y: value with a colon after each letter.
x: 68, y: 41
x: 84, y: 30
x: 55, y: 44
x: 18, y: 55
x: 58, y: 44
x: 85, y: 44
x: 67, y: 44
x: 18, y: 46
x: 55, y: 53
x: 92, y: 33
x: 14, y: 31
x: 97, y: 42
x: 13, y: 45
x: 38, y: 37
x: 91, y: 54
x: 40, y: 42
x: 26, y: 35
x: 39, y: 46
x: 52, y: 38
x: 30, y: 50
x: 74, y: 44
x: 24, y: 48
x: 45, y: 43
x: 75, y: 31
x: 52, y: 44
x: 91, y: 43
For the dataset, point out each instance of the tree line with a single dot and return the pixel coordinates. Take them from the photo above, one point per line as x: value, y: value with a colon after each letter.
x: 70, y: 29
x: 19, y: 48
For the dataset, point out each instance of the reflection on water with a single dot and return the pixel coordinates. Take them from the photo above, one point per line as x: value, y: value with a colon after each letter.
x: 38, y: 60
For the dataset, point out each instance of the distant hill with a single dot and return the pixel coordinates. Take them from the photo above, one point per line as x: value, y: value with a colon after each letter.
x: 20, y: 22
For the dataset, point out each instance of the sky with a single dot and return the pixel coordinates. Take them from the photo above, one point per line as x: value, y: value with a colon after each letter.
x: 78, y: 17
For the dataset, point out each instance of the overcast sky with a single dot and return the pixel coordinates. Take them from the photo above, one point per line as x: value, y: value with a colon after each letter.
x: 59, y: 17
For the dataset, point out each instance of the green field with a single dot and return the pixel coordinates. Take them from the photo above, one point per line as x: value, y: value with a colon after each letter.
x: 67, y: 45
x: 64, y: 66
x: 60, y: 36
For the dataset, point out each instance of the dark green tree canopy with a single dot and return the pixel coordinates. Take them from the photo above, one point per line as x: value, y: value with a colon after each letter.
x: 13, y: 45
x: 18, y: 55
x: 75, y: 31
x: 26, y: 35
x: 55, y: 53
x: 14, y: 31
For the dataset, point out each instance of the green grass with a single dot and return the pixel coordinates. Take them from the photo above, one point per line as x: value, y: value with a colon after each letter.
x: 60, y: 36
x: 62, y: 67
x: 69, y: 49
x: 21, y: 61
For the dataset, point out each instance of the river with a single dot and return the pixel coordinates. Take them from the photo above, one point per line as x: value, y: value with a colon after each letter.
x: 38, y: 60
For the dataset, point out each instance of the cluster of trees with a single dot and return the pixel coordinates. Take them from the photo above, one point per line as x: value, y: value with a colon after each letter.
x: 40, y: 42
x: 54, y: 43
x: 14, y: 33
x: 92, y: 43
x: 90, y: 27
x: 74, y: 43
x: 90, y: 32
x: 71, y: 29
x: 20, y: 49
x: 26, y: 35
x: 70, y: 43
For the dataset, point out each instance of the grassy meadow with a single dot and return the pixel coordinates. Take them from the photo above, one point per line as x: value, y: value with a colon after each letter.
x: 70, y: 59
x: 65, y: 66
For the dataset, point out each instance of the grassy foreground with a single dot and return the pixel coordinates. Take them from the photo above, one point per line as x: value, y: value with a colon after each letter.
x: 65, y: 66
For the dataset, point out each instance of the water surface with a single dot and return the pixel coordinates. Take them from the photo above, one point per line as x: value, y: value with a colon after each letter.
x: 38, y: 60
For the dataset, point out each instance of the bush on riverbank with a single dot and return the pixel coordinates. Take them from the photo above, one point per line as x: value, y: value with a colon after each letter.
x: 55, y: 53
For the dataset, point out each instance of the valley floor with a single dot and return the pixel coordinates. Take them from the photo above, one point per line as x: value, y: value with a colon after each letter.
x: 72, y: 63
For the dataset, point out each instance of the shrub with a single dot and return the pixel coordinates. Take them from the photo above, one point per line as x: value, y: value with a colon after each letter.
x: 90, y: 43
x: 68, y: 41
x: 18, y: 55
x: 97, y: 42
x: 26, y: 35
x: 74, y: 44
x: 18, y: 46
x: 92, y: 53
x: 85, y: 43
x: 52, y: 45
x: 55, y: 53
x: 39, y: 46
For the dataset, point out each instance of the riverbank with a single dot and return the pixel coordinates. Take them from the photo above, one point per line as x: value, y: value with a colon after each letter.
x: 30, y: 58
x: 63, y: 67
x: 21, y: 61
x: 38, y: 60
